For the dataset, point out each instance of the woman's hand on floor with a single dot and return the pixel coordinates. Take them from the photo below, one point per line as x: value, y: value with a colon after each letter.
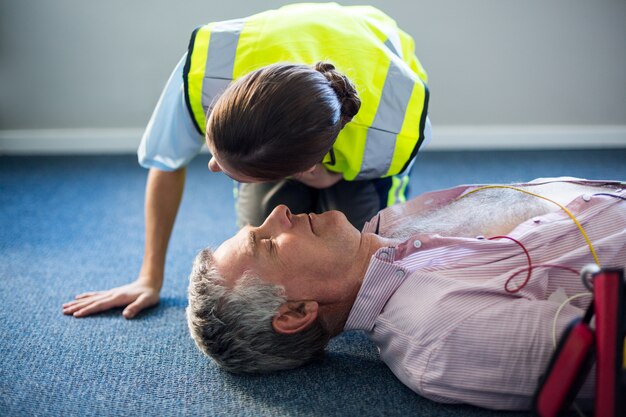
x: 136, y: 296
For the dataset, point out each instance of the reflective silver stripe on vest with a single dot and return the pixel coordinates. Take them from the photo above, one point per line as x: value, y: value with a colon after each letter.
x: 220, y: 59
x: 381, y: 136
x: 391, y: 47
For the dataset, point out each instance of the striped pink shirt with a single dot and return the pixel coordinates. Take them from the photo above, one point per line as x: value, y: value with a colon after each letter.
x: 437, y: 309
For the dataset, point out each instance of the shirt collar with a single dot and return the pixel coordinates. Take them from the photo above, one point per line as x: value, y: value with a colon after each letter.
x: 381, y: 280
x: 372, y: 225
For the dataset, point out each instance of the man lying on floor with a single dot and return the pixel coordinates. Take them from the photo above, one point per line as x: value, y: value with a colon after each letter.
x: 437, y: 283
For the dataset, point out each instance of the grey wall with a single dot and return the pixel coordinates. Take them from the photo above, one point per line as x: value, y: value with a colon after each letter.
x: 102, y: 64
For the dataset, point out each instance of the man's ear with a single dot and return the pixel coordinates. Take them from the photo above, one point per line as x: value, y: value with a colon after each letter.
x: 295, y: 316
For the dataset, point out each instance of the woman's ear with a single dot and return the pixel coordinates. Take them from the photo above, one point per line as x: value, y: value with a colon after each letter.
x: 214, y: 166
x: 295, y: 316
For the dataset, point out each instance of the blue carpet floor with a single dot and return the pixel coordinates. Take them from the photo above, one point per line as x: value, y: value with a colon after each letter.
x: 72, y: 224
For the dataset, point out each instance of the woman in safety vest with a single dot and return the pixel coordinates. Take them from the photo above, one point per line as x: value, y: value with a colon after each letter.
x: 316, y: 106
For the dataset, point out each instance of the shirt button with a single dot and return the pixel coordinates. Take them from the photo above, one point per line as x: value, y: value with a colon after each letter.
x: 417, y: 243
x: 399, y: 273
x: 586, y: 197
x: 384, y: 255
x: 537, y: 220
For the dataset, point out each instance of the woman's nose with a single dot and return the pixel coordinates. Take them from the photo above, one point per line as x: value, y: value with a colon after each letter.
x: 214, y: 166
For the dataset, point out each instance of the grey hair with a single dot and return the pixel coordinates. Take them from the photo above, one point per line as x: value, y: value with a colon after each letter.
x: 234, y: 325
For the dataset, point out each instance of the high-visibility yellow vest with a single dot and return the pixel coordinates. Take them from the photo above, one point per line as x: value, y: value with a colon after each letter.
x: 360, y: 41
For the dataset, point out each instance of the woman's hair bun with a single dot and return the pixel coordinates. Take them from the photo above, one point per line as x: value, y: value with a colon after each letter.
x: 343, y: 87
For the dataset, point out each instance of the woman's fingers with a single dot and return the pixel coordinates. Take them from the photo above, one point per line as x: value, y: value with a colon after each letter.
x: 97, y: 306
x: 70, y: 309
x: 79, y: 301
x: 135, y: 297
x: 73, y: 306
x: 142, y: 302
x: 87, y: 294
x: 80, y: 304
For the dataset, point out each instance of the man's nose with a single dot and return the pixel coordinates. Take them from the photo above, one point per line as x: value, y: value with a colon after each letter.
x: 279, y: 218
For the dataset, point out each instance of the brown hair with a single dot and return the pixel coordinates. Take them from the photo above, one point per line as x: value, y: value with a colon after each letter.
x: 281, y: 119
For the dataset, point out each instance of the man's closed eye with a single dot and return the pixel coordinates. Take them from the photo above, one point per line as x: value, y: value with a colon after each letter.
x: 271, y: 245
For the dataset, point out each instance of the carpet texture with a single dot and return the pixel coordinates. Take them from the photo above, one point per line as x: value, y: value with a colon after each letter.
x: 73, y: 224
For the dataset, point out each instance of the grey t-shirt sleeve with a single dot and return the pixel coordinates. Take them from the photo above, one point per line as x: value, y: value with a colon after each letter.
x: 170, y: 140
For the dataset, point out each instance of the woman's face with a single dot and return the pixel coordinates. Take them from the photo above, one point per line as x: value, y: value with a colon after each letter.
x: 216, y: 165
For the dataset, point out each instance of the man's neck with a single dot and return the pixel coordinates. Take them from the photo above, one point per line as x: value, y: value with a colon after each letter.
x: 370, y: 243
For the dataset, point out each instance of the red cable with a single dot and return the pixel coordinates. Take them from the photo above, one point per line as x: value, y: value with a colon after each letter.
x: 530, y: 266
x: 567, y: 268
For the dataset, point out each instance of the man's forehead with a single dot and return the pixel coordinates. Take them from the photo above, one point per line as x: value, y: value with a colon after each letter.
x: 232, y: 257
